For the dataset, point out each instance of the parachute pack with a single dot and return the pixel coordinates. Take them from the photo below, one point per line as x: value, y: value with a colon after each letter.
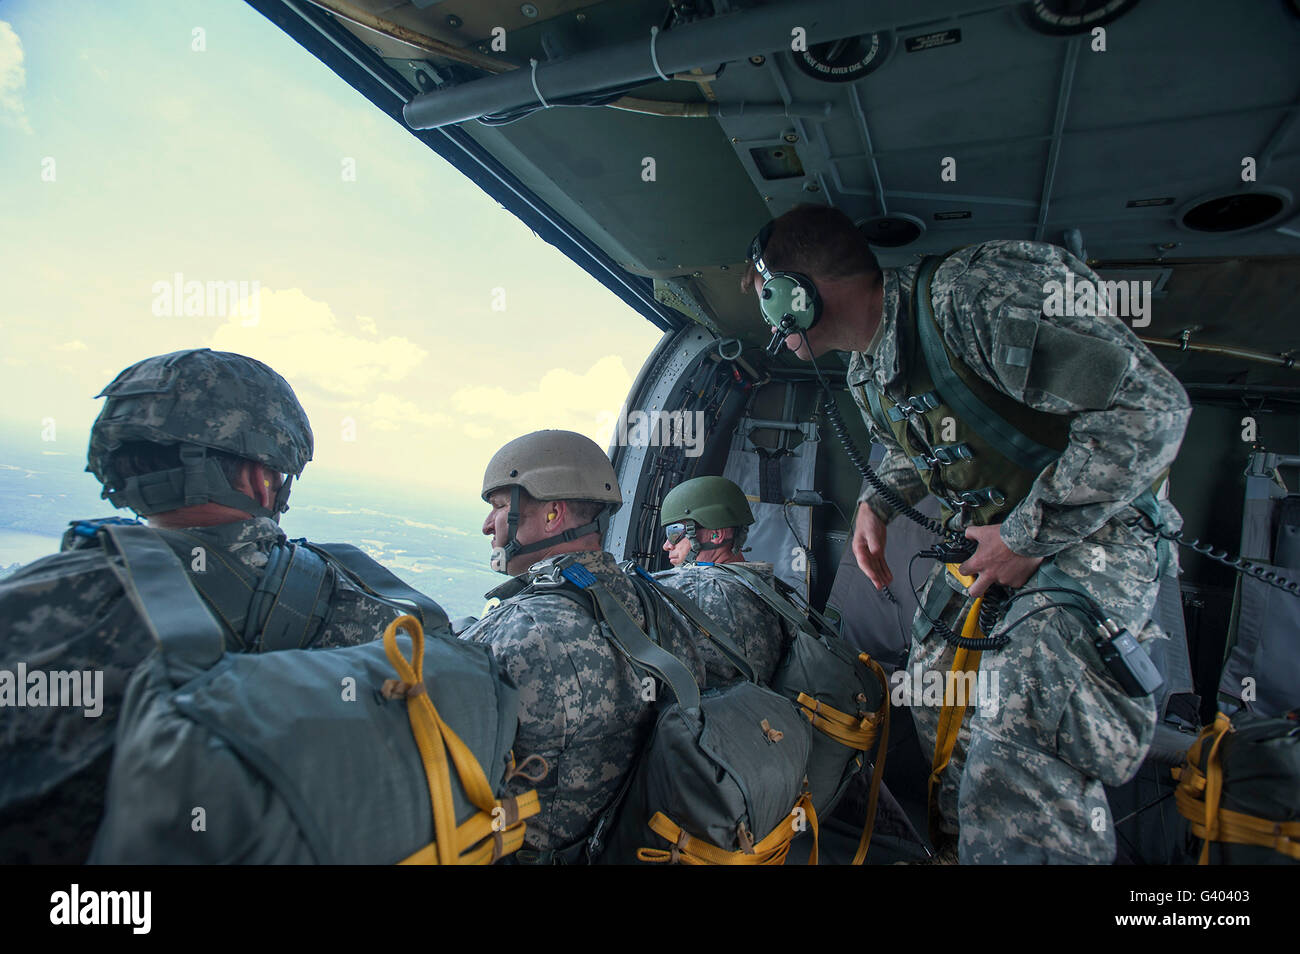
x: 722, y: 778
x: 843, y: 694
x: 729, y: 776
x: 1240, y: 789
x: 220, y: 757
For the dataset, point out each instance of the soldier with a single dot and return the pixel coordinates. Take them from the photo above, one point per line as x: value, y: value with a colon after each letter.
x: 1061, y: 496
x: 706, y: 521
x: 198, y: 442
x: 583, y: 709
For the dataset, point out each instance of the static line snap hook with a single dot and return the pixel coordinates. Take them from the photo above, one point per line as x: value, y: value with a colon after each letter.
x: 532, y: 62
x: 654, y: 56
x: 1185, y: 338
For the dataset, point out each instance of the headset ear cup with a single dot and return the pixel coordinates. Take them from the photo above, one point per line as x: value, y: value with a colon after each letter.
x: 787, y: 293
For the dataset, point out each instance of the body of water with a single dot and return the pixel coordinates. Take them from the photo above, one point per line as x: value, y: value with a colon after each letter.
x: 434, y: 545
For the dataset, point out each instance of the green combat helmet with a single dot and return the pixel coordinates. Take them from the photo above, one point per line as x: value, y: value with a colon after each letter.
x: 199, y: 400
x: 707, y: 503
x: 550, y: 465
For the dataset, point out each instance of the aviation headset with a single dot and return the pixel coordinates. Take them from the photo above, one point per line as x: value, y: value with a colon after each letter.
x: 789, y: 301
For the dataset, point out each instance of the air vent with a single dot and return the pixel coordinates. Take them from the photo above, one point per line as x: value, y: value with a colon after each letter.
x: 891, y: 231
x: 1233, y: 213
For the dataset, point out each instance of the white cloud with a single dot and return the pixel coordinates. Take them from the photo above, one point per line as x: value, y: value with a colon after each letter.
x: 576, y: 402
x: 302, y: 339
x: 76, y: 345
x: 391, y: 413
x: 12, y: 78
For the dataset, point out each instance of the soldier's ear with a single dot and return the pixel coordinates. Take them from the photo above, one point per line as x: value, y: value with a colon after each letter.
x: 259, y: 482
x: 556, y: 511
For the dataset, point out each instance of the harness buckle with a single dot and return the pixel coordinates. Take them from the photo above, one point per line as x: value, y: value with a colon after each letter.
x: 972, y: 499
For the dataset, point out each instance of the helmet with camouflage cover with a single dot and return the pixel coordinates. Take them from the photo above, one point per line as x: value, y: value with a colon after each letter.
x: 550, y: 465
x: 199, y: 400
x: 707, y: 503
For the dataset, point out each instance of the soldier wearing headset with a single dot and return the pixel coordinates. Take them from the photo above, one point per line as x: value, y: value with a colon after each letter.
x: 1043, y: 437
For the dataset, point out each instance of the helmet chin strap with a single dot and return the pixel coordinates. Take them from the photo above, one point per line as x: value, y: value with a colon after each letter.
x: 694, y: 555
x: 197, y: 481
x: 501, y: 556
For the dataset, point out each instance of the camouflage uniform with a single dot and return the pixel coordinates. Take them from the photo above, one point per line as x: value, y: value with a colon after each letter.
x: 68, y: 612
x: 581, y: 704
x: 761, y: 635
x: 1025, y: 780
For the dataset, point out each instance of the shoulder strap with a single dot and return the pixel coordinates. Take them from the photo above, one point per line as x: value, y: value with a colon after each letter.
x: 301, y: 604
x: 226, y: 585
x: 876, y: 408
x: 380, y: 582
x: 1010, y: 442
x: 775, y: 601
x: 160, y: 590
x: 692, y: 611
x: 622, y: 631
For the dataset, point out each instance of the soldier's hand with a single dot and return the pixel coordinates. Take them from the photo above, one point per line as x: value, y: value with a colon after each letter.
x: 995, y: 562
x: 869, y: 547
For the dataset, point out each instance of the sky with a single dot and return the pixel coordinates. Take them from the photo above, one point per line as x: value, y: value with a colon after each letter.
x: 147, y: 146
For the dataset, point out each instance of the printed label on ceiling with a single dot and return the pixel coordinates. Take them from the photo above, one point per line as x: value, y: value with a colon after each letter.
x: 962, y: 214
x: 928, y: 41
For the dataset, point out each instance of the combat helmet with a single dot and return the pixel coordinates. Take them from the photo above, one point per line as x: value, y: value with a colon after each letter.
x: 550, y: 465
x: 707, y: 503
x: 199, y: 400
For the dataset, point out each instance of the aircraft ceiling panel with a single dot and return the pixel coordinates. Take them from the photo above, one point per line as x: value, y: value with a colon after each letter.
x: 1047, y: 134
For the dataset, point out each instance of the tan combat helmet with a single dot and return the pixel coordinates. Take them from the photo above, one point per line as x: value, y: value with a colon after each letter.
x: 550, y: 465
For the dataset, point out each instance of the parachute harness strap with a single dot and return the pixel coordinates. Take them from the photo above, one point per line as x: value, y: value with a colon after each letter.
x: 487, y: 835
x: 1199, y: 794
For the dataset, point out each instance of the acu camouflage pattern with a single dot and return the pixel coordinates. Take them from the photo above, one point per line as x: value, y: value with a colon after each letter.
x: 1114, y: 453
x: 68, y: 612
x: 1024, y: 784
x: 581, y: 704
x: 214, y: 399
x: 759, y: 632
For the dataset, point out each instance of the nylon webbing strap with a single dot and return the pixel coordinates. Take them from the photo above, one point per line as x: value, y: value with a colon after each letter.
x: 378, y: 581
x: 478, y: 840
x: 692, y: 611
x: 790, y: 594
x: 621, y: 630
x: 301, y: 604
x: 1199, y: 798
x: 1053, y: 576
x: 224, y: 583
x: 1010, y: 442
x: 160, y: 590
x: 688, y: 850
x: 769, y: 477
x: 936, y: 601
x: 1148, y: 505
x: 951, y: 716
x: 771, y: 597
x: 874, y: 405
